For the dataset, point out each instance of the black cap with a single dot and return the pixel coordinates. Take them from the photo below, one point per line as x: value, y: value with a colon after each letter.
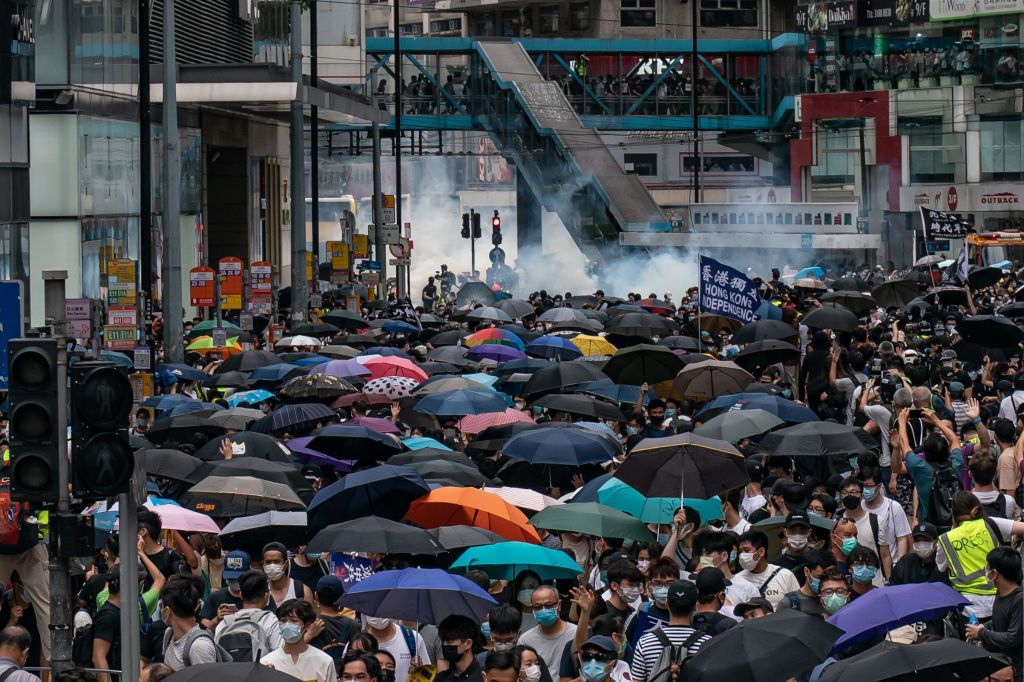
x: 752, y: 604
x: 1004, y: 386
x: 682, y: 594
x: 710, y: 581
x: 797, y: 518
x: 927, y: 530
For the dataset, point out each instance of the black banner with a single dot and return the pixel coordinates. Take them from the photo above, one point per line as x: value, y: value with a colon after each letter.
x: 942, y: 225
x: 893, y: 12
x: 819, y: 17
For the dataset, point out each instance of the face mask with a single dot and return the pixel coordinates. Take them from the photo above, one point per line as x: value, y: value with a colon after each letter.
x: 925, y: 550
x: 670, y: 414
x: 869, y: 494
x: 485, y: 630
x: 387, y: 675
x: 815, y: 585
x: 450, y: 652
x: 525, y: 595
x: 797, y: 542
x: 377, y: 623
x: 643, y: 565
x: 274, y: 571
x: 705, y: 562
x: 660, y: 595
x: 504, y: 646
x: 291, y: 632
x: 632, y: 431
x: 853, y: 462
x: 593, y: 671
x: 851, y: 502
x: 732, y: 557
x: 531, y: 673
x: 834, y: 602
x: 663, y: 539
x: 848, y: 545
x: 747, y: 561
x: 603, y: 577
x: 546, y: 616
x: 314, y: 556
x: 520, y: 405
x: 864, y: 574
x: 630, y: 594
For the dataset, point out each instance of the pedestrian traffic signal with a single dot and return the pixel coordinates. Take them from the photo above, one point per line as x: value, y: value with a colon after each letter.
x: 465, y: 226
x: 496, y: 228
x: 476, y: 226
x: 101, y: 457
x: 36, y: 443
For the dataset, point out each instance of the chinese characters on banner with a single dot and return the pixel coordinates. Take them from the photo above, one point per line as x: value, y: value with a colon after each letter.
x: 351, y: 569
x: 201, y: 287
x: 261, y: 288
x: 943, y: 225
x: 230, y: 271
x: 338, y: 252
x: 727, y: 292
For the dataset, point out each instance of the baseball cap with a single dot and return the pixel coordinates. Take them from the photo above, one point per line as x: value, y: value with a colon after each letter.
x: 752, y: 604
x: 235, y: 564
x: 956, y: 388
x: 797, y: 518
x: 710, y: 580
x: 682, y: 594
x: 927, y: 530
x: 949, y: 354
x: 755, y: 470
x: 602, y: 642
x: 1004, y: 386
x: 329, y: 589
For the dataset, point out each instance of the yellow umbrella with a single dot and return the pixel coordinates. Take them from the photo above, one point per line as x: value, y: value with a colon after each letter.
x: 593, y: 345
x: 201, y: 343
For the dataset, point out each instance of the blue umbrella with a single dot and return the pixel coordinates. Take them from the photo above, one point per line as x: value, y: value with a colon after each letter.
x: 481, y: 378
x: 462, y: 401
x: 399, y: 327
x: 421, y: 442
x: 661, y: 510
x: 786, y: 410
x: 254, y: 397
x: 553, y: 347
x: 813, y: 271
x: 311, y: 361
x: 385, y: 491
x: 567, y: 445
x: 386, y: 352
x: 506, y: 560
x: 294, y: 417
x: 626, y: 394
x: 278, y: 372
x: 496, y: 352
x: 166, y: 402
x: 183, y: 372
x: 185, y: 408
x: 424, y: 595
x: 342, y: 368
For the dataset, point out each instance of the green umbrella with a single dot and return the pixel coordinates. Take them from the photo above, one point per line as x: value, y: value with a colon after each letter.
x: 643, y: 363
x: 506, y: 560
x: 592, y: 518
x: 207, y: 326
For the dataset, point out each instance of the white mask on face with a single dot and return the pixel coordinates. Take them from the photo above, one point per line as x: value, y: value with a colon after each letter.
x: 747, y: 562
x: 924, y: 549
x: 377, y: 623
x: 274, y: 571
x: 797, y: 542
x: 531, y: 673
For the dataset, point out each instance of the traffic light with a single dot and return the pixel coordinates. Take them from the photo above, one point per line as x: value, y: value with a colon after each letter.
x: 36, y: 443
x: 465, y: 226
x: 101, y: 457
x: 476, y: 226
x: 496, y: 228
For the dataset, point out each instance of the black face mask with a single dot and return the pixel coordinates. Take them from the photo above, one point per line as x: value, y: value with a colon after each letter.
x: 450, y: 652
x: 851, y: 502
x: 387, y: 676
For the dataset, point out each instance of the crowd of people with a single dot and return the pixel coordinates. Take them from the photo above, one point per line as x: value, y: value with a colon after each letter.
x: 576, y: 488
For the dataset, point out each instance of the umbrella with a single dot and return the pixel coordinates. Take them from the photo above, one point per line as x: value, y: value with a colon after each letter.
x: 375, y: 424
x: 166, y: 402
x: 182, y: 372
x: 207, y: 326
x: 247, y: 360
x: 657, y: 306
x: 553, y: 348
x: 580, y: 405
x: 317, y: 329
x: 254, y: 397
x: 496, y: 352
x: 457, y: 473
x: 516, y: 308
x: 593, y: 345
x: 461, y: 401
x: 506, y: 560
x: 810, y: 284
x: 1013, y: 311
x: 553, y: 315
x: 835, y: 317
x: 661, y: 510
x: 173, y: 464
x: 251, y: 533
x: 641, y: 324
x: 946, y: 659
x: 561, y: 445
x: 446, y: 384
x: 524, y: 498
x: 562, y: 375
x: 594, y: 519
x: 623, y: 394
x: 187, y: 428
x: 991, y: 331
x: 345, y: 441
x: 455, y: 355
x: 306, y: 455
x: 346, y: 319
x: 432, y: 454
x: 489, y: 314
x: 475, y: 423
x: 297, y: 341
x: 643, y: 363
x: 226, y: 380
x: 247, y: 490
x: 449, y: 506
x: 984, y: 277
x: 710, y: 379
x: 315, y: 387
x: 202, y: 343
x: 173, y: 517
x: 494, y: 437
x: 434, y: 368
x: 814, y: 439
x: 929, y: 260
x: 896, y: 293
x: 448, y: 338
x: 289, y: 474
x: 461, y: 537
x: 424, y: 443
x: 399, y: 327
x: 787, y: 410
x: 681, y: 343
x: 294, y: 418
x: 354, y: 340
x: 246, y: 444
x: 230, y: 672
x: 761, y: 354
x: 186, y: 408
x: 338, y: 352
x: 474, y: 292
x: 733, y: 426
x: 878, y: 611
x: 385, y: 490
x: 394, y: 367
x: 342, y: 368
x: 392, y: 387
x: 686, y: 465
x: 947, y: 295
x: 272, y: 375
x: 813, y: 271
x: 762, y: 330
x: 854, y: 300
x: 423, y: 595
x: 775, y: 648
x: 374, y: 534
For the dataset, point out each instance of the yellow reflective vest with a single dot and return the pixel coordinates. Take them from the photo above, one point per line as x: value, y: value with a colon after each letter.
x: 966, y: 548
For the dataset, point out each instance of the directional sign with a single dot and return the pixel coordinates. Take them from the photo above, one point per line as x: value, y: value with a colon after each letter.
x: 11, y: 319
x: 390, y: 209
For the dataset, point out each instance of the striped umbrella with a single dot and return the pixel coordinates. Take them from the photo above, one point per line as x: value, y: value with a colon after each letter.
x: 524, y: 498
x: 475, y: 423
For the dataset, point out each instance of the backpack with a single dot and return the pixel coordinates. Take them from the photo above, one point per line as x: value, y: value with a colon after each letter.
x: 335, y: 638
x: 996, y: 509
x: 81, y: 644
x: 668, y: 667
x: 186, y: 658
x: 16, y: 533
x: 945, y: 483
x: 243, y: 639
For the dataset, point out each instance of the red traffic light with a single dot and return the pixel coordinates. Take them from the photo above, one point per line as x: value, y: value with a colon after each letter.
x: 496, y: 221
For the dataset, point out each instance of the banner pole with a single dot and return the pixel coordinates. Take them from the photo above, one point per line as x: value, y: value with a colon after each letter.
x: 700, y: 292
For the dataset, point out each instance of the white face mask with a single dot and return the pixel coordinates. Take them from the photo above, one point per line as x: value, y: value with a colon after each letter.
x: 925, y: 550
x: 797, y: 542
x: 747, y: 562
x: 531, y: 673
x: 377, y: 623
x: 274, y: 571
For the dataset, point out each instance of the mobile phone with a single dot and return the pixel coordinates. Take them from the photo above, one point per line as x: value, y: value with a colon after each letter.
x: 916, y: 413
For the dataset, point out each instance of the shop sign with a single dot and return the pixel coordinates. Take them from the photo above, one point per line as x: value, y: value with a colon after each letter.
x: 893, y: 12
x: 963, y: 198
x: 942, y: 10
x: 819, y: 17
x: 705, y: 216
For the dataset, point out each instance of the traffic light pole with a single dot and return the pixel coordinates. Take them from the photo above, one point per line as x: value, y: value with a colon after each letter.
x: 472, y: 244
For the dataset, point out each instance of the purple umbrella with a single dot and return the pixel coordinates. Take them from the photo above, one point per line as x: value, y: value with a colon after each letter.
x: 342, y: 368
x: 883, y: 609
x: 375, y: 424
x: 306, y: 455
x: 496, y: 352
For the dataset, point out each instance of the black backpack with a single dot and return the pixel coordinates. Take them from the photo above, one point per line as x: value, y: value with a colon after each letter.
x: 996, y: 509
x: 945, y: 484
x: 81, y: 644
x: 669, y: 666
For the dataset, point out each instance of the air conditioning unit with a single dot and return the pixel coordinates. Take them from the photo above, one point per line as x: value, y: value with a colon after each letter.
x: 352, y: 40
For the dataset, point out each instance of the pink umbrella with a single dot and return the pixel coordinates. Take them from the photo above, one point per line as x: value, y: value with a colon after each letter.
x: 375, y: 424
x: 475, y: 423
x: 390, y: 366
x: 179, y: 518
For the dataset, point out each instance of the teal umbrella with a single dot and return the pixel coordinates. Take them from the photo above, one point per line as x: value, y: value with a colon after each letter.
x: 622, y: 496
x: 592, y: 518
x: 506, y: 560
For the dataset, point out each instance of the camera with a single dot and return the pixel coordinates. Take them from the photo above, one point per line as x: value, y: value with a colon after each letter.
x: 887, y: 387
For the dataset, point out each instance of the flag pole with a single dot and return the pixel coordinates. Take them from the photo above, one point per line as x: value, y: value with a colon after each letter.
x: 700, y: 290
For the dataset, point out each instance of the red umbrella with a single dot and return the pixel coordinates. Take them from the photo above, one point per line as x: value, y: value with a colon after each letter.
x: 657, y: 306
x: 391, y: 366
x: 475, y: 423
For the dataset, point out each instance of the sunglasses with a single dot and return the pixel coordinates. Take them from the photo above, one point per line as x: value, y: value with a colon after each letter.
x: 601, y: 656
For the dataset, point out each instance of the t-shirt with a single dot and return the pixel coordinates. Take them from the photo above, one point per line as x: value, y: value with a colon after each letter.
x: 309, y: 575
x: 107, y: 626
x: 795, y: 564
x: 893, y: 519
x: 267, y: 621
x: 214, y: 602
x: 399, y: 649
x: 847, y: 386
x: 922, y: 475
x: 649, y: 648
x: 1009, y: 471
x: 866, y: 534
x: 165, y: 560
x: 799, y: 600
x: 773, y: 583
x: 881, y: 415
x: 312, y: 665
x: 549, y: 648
x: 203, y: 650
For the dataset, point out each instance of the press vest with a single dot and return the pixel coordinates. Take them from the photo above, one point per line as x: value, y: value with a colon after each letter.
x: 967, y: 547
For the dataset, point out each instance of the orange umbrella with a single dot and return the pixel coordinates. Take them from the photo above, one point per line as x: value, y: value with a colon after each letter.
x: 451, y: 506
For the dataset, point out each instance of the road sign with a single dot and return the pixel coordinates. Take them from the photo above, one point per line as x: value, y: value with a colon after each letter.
x: 369, y: 265
x: 78, y: 309
x: 938, y: 245
x: 245, y: 322
x: 390, y: 208
x: 220, y: 337
x: 12, y: 315
x: 261, y: 287
x: 230, y: 271
x: 200, y: 286
x: 119, y: 337
x: 360, y: 246
x: 401, y: 249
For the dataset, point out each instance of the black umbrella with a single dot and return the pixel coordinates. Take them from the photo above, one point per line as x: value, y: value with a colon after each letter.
x: 230, y: 672
x: 354, y: 340
x: 462, y: 537
x: 761, y: 354
x: 686, y: 465
x: 191, y: 428
x: 495, y: 437
x: 251, y: 533
x: 643, y: 363
x: 452, y: 337
x: 1013, y: 311
x: 227, y: 380
x: 318, y: 329
x: 453, y: 354
x: 969, y: 351
x: 317, y: 386
x: 854, y: 300
x: 984, y: 277
x: 814, y: 439
x: 991, y: 330
x: 173, y: 464
x: 474, y: 292
x: 681, y: 342
x: 775, y: 648
x: 137, y: 442
x: 385, y: 490
x: 850, y: 284
x: 374, y: 534
x: 516, y: 308
x: 295, y: 419
x: 947, y: 295
x: 346, y: 319
x: 641, y: 324
x: 248, y: 360
x: 460, y: 474
x: 581, y: 405
x: 562, y: 375
x: 433, y: 368
x: 247, y: 444
x: 763, y: 330
x: 276, y: 472
x: 834, y: 317
x: 939, y: 661
x: 344, y: 441
x: 896, y: 293
x: 731, y: 426
x: 431, y: 455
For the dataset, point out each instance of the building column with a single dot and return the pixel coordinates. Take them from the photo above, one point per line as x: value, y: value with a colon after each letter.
x: 528, y: 215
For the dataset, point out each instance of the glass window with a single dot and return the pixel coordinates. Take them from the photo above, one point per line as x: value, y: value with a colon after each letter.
x: 641, y: 164
x: 548, y: 18
x: 728, y: 12
x: 579, y: 16
x: 836, y: 159
x: 1001, y: 157
x: 635, y: 13
x: 732, y: 164
x: 933, y: 154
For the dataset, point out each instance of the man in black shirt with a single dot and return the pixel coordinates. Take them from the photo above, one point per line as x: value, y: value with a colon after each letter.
x: 429, y: 295
x: 338, y: 629
x: 106, y: 630
x: 797, y: 531
x: 165, y: 559
x: 227, y: 599
x: 307, y: 568
x: 919, y: 565
x: 711, y: 585
x: 457, y: 635
x: 625, y: 583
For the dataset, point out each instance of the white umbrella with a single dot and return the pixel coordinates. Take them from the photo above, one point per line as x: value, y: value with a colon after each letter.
x: 297, y: 341
x: 524, y: 498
